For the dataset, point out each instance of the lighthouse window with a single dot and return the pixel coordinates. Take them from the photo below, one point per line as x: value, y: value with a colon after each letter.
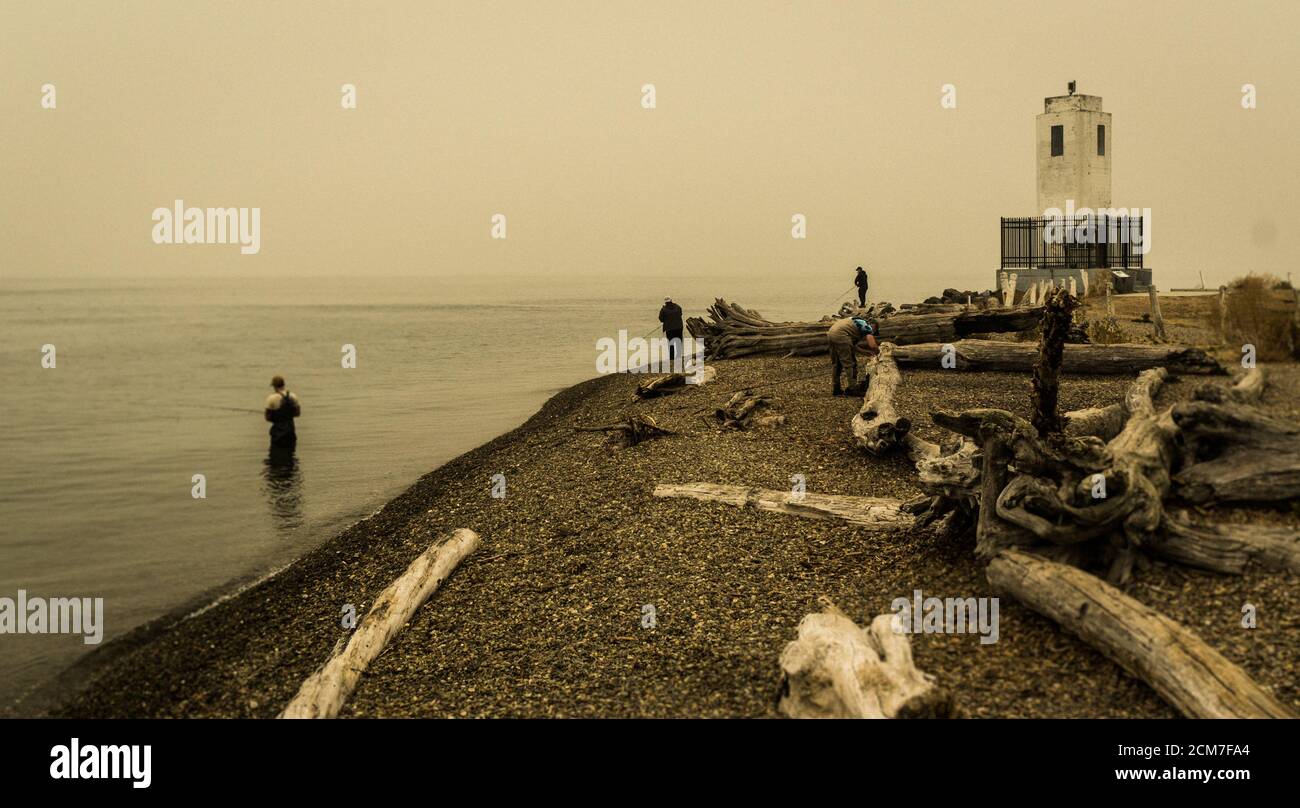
x: 1058, y: 141
x: 1101, y: 140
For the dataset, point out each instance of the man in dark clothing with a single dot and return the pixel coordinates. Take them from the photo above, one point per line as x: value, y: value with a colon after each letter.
x: 861, y: 282
x: 281, y: 408
x: 671, y: 317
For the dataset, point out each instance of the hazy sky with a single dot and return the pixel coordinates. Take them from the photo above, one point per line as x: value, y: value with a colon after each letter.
x: 533, y: 109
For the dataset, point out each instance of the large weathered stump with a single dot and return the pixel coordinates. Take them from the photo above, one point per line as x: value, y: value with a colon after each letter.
x: 834, y: 669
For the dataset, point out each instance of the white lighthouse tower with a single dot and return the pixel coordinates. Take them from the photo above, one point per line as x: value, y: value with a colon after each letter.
x: 1074, y: 151
x: 1075, y: 231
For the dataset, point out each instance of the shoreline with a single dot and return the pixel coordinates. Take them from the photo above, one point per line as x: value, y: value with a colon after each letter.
x: 67, y: 683
x: 544, y: 619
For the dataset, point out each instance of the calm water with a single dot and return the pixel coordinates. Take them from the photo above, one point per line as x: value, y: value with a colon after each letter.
x: 155, y: 381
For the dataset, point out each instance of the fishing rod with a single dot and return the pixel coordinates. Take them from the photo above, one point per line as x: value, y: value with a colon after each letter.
x: 841, y: 295
x: 226, y: 409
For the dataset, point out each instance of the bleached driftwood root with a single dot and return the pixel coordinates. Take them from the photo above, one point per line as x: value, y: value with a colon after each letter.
x: 952, y: 472
x: 630, y: 431
x: 1107, y: 422
x: 834, y: 669
x: 1050, y: 499
x: 950, y: 477
x: 878, y: 427
x: 657, y: 386
x: 746, y: 410
x: 323, y: 694
x: 1186, y: 672
x: 872, y: 512
x: 1101, y: 422
x: 1247, y: 388
x: 1048, y: 494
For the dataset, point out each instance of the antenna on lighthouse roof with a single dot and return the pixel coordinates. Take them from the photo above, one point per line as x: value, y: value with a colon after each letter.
x: 1072, y: 87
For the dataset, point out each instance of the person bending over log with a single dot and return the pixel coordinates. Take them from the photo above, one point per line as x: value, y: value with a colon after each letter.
x: 847, y: 338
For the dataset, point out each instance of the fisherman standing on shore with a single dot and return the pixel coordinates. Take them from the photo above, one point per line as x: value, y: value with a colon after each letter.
x: 281, y: 408
x: 845, y: 337
x: 861, y: 282
x: 671, y: 317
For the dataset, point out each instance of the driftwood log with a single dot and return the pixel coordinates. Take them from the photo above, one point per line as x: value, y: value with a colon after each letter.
x: 1197, y: 680
x: 979, y: 354
x: 835, y: 669
x: 1236, y: 453
x: 878, y: 427
x: 872, y: 512
x: 323, y: 694
x: 733, y: 331
x: 1229, y: 548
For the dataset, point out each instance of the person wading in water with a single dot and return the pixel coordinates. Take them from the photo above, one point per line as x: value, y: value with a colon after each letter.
x: 281, y: 408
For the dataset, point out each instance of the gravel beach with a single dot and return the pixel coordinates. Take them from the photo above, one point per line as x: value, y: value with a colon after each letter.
x: 545, y: 619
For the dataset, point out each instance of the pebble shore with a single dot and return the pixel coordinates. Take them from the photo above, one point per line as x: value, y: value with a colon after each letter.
x: 546, y: 618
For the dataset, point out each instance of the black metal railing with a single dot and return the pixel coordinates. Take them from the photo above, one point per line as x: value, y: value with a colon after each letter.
x: 1112, y: 242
